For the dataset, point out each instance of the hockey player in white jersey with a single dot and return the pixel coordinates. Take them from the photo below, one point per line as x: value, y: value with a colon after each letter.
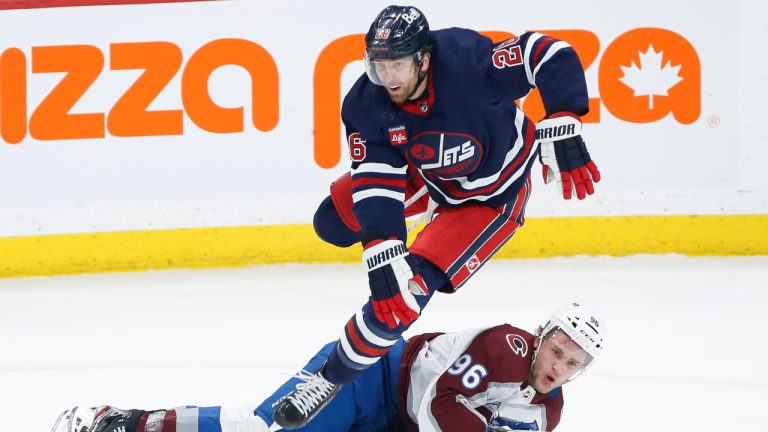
x: 499, y: 378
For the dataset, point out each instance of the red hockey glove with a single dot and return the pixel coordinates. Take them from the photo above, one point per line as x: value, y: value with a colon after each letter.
x: 564, y: 156
x: 392, y: 283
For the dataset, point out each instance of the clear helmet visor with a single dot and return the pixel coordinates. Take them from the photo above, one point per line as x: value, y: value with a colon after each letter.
x: 391, y: 72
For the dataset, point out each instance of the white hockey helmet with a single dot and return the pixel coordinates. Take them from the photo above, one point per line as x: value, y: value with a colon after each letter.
x: 581, y: 325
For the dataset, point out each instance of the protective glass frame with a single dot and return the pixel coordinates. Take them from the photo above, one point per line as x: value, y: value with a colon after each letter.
x: 404, y: 69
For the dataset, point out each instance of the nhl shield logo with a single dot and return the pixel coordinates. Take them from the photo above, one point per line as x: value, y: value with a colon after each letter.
x: 398, y: 136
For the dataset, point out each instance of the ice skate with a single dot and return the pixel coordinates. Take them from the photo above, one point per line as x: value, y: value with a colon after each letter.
x: 301, y: 405
x: 95, y: 419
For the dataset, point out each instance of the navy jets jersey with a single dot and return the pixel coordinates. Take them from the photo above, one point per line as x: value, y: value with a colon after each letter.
x: 465, y: 136
x: 470, y: 380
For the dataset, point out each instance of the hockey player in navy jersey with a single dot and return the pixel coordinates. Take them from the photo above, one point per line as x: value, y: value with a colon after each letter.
x: 433, y: 128
x: 498, y: 378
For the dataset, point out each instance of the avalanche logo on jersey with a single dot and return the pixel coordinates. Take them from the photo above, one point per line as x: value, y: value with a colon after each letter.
x: 518, y: 344
x: 447, y: 155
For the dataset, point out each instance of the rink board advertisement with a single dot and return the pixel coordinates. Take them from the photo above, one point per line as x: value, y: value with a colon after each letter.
x: 129, y: 127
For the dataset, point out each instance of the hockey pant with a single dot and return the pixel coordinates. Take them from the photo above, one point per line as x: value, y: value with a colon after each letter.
x: 447, y: 252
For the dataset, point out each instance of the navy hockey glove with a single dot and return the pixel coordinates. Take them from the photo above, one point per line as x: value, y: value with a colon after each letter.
x: 393, y: 285
x: 564, y: 156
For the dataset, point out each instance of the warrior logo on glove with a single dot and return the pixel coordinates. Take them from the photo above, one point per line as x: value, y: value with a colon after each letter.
x: 564, y: 156
x: 392, y: 282
x: 382, y: 257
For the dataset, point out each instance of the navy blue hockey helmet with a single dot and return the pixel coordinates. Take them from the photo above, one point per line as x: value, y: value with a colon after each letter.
x: 397, y: 31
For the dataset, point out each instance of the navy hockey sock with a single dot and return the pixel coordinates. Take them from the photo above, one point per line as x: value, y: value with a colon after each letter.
x: 365, y: 339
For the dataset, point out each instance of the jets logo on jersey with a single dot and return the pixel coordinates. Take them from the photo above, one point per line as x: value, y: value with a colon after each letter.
x: 446, y: 154
x: 518, y: 344
x: 397, y: 135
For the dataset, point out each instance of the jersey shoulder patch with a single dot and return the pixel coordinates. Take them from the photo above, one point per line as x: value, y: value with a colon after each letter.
x: 517, y: 344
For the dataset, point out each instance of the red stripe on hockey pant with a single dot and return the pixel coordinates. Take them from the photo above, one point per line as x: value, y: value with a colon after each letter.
x: 142, y: 426
x: 169, y: 421
x: 452, y: 234
x: 359, y: 344
x: 460, y: 277
x: 443, y: 243
x: 486, y: 251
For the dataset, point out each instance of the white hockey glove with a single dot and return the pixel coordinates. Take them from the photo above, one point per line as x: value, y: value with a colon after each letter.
x: 393, y: 285
x: 564, y: 156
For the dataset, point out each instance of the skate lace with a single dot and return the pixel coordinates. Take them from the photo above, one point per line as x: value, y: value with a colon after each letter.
x: 312, y: 392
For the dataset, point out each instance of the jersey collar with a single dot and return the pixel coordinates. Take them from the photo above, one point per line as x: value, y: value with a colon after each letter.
x: 423, y: 105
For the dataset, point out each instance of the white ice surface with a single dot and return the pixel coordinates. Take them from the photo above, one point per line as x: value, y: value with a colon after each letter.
x: 686, y: 348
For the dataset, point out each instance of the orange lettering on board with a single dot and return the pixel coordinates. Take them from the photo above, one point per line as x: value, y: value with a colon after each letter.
x: 51, y: 120
x: 327, y: 99
x: 13, y: 96
x: 261, y: 68
x: 129, y: 116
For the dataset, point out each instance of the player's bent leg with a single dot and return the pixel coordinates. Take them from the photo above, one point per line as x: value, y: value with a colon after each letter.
x: 106, y: 419
x: 335, y: 220
x: 216, y: 419
x: 190, y: 418
x: 302, y: 398
x: 330, y: 227
x: 365, y: 339
x: 462, y: 238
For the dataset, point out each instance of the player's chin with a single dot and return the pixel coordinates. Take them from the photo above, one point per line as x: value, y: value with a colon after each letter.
x: 545, y: 385
x: 397, y: 94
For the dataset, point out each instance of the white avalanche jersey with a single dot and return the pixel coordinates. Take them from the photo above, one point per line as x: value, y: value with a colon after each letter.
x: 469, y: 380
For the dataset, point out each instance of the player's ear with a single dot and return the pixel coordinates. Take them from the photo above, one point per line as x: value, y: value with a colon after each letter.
x: 537, y: 342
x: 425, y: 62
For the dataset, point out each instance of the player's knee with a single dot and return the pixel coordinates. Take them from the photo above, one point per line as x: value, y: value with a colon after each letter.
x: 331, y: 228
